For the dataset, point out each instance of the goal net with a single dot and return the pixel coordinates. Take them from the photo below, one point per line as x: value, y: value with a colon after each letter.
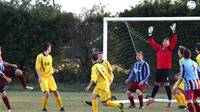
x: 123, y: 36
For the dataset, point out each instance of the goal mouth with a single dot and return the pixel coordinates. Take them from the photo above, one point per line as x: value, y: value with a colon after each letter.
x: 123, y: 36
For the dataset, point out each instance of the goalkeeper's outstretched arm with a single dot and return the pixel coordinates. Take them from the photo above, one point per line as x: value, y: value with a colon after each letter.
x: 174, y: 36
x: 152, y: 42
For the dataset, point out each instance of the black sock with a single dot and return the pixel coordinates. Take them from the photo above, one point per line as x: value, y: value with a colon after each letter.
x: 169, y: 92
x: 155, y: 90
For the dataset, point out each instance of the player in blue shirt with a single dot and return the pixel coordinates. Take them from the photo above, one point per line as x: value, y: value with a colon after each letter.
x: 189, y: 74
x: 141, y: 71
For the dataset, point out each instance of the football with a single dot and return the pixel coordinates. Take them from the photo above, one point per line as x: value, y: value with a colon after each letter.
x: 191, y: 5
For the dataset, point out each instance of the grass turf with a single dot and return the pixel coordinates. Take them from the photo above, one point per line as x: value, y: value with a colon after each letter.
x: 24, y: 101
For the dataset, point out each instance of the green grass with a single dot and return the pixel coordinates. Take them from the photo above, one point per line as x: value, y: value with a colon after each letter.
x: 23, y: 101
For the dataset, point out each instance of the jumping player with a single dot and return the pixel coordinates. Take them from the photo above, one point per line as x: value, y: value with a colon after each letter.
x: 141, y: 71
x: 164, y: 63
x: 102, y: 79
x: 189, y: 73
x: 46, y: 80
x: 179, y: 93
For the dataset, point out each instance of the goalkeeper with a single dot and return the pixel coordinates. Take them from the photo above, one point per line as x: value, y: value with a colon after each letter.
x: 164, y: 63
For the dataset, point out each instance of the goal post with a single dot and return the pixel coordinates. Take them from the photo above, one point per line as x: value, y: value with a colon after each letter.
x: 137, y: 19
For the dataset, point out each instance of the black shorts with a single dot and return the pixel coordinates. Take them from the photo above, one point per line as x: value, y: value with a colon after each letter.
x: 2, y: 89
x: 162, y: 75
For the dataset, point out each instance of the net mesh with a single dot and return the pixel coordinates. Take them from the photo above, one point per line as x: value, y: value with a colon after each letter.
x: 126, y: 37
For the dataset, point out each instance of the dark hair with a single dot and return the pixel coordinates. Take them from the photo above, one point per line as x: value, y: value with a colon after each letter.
x: 198, y: 46
x: 181, y: 49
x: 187, y: 53
x: 45, y: 46
x: 140, y: 52
x: 167, y: 38
x: 94, y: 56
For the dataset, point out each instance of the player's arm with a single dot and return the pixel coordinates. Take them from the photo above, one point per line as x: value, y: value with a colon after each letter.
x: 5, y: 77
x: 93, y: 79
x: 152, y: 42
x: 130, y: 75
x: 174, y: 36
x: 9, y: 64
x: 182, y: 76
x: 38, y: 65
x: 110, y: 71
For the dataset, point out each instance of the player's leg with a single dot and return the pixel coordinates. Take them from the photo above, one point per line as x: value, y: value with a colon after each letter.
x: 94, y: 102
x: 5, y: 98
x: 132, y: 88
x: 196, y: 104
x: 21, y: 78
x: 45, y: 89
x: 58, y: 100
x: 139, y: 94
x: 178, y: 94
x: 105, y: 97
x: 157, y: 84
x: 189, y: 96
x: 53, y: 87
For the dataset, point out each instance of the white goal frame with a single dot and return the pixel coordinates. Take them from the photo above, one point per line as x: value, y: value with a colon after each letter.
x: 107, y: 19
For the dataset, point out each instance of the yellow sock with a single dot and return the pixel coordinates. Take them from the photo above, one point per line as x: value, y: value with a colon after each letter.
x: 112, y: 104
x: 94, y: 105
x: 59, y: 101
x: 178, y: 99
x: 182, y: 97
x: 44, y: 102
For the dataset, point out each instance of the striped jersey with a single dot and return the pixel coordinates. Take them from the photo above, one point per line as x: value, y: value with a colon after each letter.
x: 189, y: 73
x: 1, y: 66
x: 141, y: 71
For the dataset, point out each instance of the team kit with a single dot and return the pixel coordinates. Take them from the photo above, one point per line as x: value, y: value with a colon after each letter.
x: 185, y: 90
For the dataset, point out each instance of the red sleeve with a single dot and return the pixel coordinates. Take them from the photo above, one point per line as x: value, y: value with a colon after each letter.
x: 173, y: 42
x: 155, y: 45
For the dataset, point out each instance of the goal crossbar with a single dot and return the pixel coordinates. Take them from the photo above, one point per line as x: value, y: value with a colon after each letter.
x: 107, y: 19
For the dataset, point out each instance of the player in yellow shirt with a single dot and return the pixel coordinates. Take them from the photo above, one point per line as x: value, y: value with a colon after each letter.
x: 198, y: 53
x: 102, y: 79
x: 179, y: 93
x: 46, y: 80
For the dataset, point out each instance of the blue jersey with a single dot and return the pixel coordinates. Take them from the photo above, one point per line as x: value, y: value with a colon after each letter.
x: 141, y: 71
x: 189, y: 73
x: 1, y: 66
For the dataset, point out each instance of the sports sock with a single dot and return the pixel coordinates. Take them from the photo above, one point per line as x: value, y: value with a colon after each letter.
x: 155, y: 90
x: 22, y: 80
x: 169, y: 93
x: 94, y: 105
x: 44, y: 102
x: 178, y: 99
x: 182, y: 97
x: 131, y: 99
x: 140, y: 100
x: 197, y: 107
x: 110, y: 103
x: 59, y: 101
x: 6, y: 102
x: 191, y: 107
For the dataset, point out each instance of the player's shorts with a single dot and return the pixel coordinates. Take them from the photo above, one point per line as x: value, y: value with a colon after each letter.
x: 104, y: 94
x: 48, y: 84
x: 162, y: 75
x: 135, y: 85
x: 192, y: 94
x: 9, y: 72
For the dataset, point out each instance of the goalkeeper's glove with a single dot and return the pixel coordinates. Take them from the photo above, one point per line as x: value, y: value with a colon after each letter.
x: 173, y: 27
x: 150, y: 31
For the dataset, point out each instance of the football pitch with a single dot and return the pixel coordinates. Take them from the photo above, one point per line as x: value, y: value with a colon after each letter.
x: 24, y: 101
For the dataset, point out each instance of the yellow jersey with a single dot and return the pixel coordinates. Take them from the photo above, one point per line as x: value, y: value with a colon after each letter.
x: 182, y: 86
x: 107, y: 65
x: 100, y: 76
x: 181, y: 60
x: 198, y: 59
x: 44, y: 65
